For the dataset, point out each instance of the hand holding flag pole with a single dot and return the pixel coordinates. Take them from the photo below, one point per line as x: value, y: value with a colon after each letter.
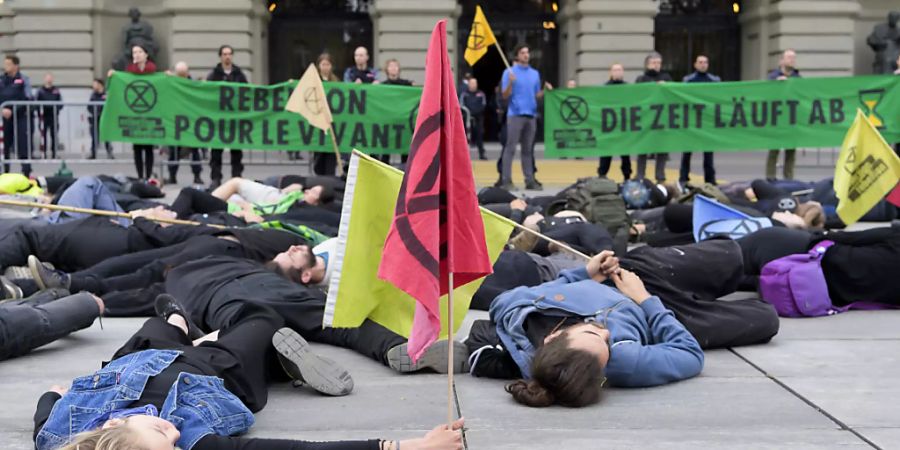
x: 308, y: 99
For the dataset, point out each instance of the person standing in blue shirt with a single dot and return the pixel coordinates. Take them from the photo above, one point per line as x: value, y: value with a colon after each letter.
x: 521, y: 86
x: 15, y: 87
x: 701, y: 75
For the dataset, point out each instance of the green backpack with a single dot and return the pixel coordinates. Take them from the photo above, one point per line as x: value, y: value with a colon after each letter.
x: 602, y: 204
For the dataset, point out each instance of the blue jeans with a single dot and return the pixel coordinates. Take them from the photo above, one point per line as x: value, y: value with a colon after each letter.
x: 87, y: 192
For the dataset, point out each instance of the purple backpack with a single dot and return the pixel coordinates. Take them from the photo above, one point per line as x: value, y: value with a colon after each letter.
x: 795, y: 286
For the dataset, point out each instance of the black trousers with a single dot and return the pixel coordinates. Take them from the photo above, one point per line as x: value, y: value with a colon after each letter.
x: 303, y: 316
x: 709, y: 170
x: 175, y: 156
x: 606, y: 163
x: 477, y: 134
x: 143, y: 160
x: 95, y: 137
x: 41, y: 319
x: 69, y: 246
x: 16, y: 136
x: 142, y: 269
x: 243, y: 356
x: 324, y: 163
x: 215, y: 164
x: 192, y: 201
x: 50, y: 133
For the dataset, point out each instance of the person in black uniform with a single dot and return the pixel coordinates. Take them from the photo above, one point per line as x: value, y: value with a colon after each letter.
x: 49, y: 114
x: 15, y: 87
x: 476, y: 102
x: 98, y: 94
x: 225, y: 71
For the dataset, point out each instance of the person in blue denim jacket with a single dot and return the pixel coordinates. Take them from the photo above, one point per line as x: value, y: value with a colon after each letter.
x: 161, y: 390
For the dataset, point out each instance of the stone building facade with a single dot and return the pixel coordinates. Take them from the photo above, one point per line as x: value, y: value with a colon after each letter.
x: 77, y: 40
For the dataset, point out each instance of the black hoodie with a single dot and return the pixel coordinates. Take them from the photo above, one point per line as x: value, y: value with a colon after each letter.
x: 218, y: 74
x: 652, y: 76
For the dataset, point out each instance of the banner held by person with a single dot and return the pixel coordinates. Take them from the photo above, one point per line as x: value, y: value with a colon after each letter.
x: 308, y: 100
x: 747, y: 115
x: 481, y: 37
x: 437, y: 238
x: 164, y: 110
x: 355, y: 292
x: 867, y: 169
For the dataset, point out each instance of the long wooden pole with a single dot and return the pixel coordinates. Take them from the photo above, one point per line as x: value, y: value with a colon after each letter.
x: 450, y: 344
x: 502, y: 55
x: 337, y: 152
x: 101, y: 212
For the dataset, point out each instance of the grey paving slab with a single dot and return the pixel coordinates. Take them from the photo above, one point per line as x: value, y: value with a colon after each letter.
x: 852, y: 325
x: 886, y: 438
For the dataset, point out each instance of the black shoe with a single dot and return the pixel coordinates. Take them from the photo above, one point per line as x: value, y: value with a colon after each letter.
x: 482, y: 157
x: 505, y: 185
x: 434, y: 358
x: 9, y: 290
x: 172, y: 180
x: 45, y: 277
x: 198, y: 180
x: 214, y: 184
x: 166, y: 305
x: 306, y: 367
x: 534, y: 185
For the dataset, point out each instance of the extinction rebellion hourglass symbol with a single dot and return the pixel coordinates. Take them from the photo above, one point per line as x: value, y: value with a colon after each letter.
x: 869, y: 100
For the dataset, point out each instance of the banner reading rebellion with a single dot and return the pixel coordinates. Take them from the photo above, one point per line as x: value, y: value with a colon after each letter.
x: 167, y: 110
x: 748, y: 115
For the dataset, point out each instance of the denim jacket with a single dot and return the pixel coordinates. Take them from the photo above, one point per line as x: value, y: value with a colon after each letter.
x: 197, y: 405
x: 648, y: 346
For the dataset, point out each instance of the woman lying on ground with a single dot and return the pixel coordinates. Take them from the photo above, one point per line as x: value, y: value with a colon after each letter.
x: 161, y: 390
x: 566, y: 336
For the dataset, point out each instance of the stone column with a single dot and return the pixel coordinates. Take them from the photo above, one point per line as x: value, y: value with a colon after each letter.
x: 821, y: 32
x: 598, y: 33
x: 50, y: 36
x: 402, y: 30
x: 200, y: 27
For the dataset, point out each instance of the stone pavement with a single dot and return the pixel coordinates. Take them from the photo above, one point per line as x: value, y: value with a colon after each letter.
x: 821, y: 383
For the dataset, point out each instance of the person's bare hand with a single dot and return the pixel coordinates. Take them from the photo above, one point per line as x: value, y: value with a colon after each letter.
x: 532, y: 221
x: 630, y: 285
x: 358, y: 81
x: 602, y: 265
x: 518, y: 204
x: 512, y: 77
x: 548, y: 86
x: 781, y: 78
x: 7, y: 113
x: 789, y: 219
x: 61, y: 390
x: 440, y: 438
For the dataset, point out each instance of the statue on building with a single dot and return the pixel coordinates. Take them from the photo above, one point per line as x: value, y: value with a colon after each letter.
x: 138, y: 32
x: 885, y: 42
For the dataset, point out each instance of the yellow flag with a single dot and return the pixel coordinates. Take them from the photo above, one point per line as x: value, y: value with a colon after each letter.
x: 355, y: 292
x: 480, y: 38
x: 867, y: 169
x: 308, y: 100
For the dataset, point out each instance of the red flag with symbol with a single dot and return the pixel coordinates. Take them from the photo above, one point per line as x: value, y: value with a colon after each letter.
x: 437, y: 227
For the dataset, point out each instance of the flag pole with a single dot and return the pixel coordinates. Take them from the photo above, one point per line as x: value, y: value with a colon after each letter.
x: 450, y: 350
x: 100, y: 212
x: 549, y: 239
x: 337, y: 153
x: 502, y: 55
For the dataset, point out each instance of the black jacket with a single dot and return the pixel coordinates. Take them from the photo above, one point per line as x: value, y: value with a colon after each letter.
x: 474, y: 101
x: 652, y: 76
x: 49, y: 95
x: 94, y: 112
x: 218, y: 74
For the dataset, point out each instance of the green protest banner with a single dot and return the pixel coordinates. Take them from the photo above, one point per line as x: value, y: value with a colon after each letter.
x: 167, y: 110
x: 747, y: 115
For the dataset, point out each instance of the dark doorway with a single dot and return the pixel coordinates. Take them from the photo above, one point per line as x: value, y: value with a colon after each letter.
x: 532, y: 22
x: 687, y: 28
x: 302, y: 29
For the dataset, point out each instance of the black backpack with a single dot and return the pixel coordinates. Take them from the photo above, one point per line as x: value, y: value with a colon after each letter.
x: 599, y: 200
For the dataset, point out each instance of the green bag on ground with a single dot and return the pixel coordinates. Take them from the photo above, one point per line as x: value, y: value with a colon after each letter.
x: 598, y: 199
x: 707, y: 190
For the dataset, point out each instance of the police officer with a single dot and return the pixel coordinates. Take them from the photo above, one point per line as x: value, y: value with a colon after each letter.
x: 49, y: 113
x: 14, y: 87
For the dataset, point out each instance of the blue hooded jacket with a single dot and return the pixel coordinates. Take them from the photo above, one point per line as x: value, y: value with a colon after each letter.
x: 648, y: 346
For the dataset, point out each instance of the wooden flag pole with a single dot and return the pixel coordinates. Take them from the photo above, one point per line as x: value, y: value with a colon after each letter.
x: 450, y: 350
x: 100, y: 212
x: 502, y: 55
x: 549, y: 239
x: 337, y: 152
